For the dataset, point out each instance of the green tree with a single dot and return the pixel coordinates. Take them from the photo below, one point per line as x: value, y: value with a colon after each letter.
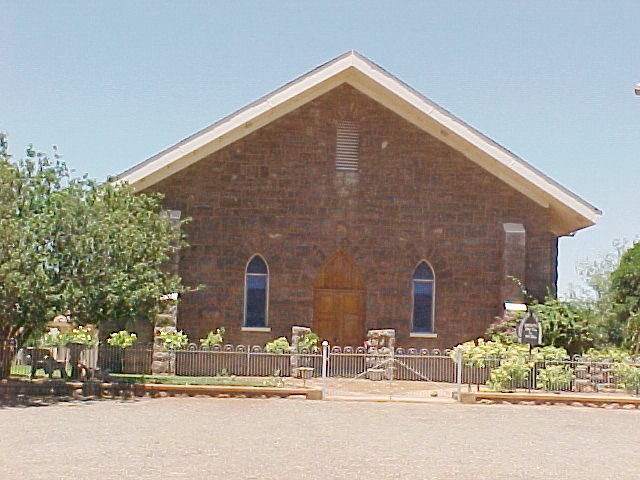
x: 92, y: 250
x: 26, y: 227
x: 110, y: 247
x: 625, y: 290
x: 565, y: 324
x: 597, y: 299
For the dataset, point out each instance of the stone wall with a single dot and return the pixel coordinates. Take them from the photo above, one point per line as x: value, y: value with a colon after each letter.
x: 276, y: 192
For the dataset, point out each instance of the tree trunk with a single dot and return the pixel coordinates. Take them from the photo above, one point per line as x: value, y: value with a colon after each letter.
x: 74, y: 359
x: 7, y: 352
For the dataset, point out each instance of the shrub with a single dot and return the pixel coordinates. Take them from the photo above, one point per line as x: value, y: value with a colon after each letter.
x: 475, y: 353
x: 172, y: 339
x: 555, y: 377
x: 629, y: 376
x: 612, y: 354
x: 53, y: 338
x: 309, y: 343
x: 564, y: 324
x: 80, y: 335
x: 122, y: 339
x: 212, y: 338
x: 278, y: 345
x: 503, y: 330
x: 625, y: 280
x: 549, y: 353
x: 515, y: 360
x: 511, y: 373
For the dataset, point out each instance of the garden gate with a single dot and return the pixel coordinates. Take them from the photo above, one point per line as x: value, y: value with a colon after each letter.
x: 403, y: 374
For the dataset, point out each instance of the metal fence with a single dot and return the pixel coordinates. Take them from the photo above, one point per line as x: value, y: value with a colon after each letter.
x: 87, y: 357
x: 579, y: 374
x: 231, y: 360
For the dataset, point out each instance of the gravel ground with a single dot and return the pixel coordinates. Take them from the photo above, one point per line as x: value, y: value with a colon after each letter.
x: 206, y: 438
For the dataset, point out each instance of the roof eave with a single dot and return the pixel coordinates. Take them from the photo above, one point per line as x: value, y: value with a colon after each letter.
x: 570, y: 212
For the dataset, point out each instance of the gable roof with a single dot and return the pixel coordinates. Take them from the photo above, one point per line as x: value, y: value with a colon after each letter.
x: 569, y: 212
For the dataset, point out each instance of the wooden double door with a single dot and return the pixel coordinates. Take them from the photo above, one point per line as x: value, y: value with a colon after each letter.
x: 339, y: 302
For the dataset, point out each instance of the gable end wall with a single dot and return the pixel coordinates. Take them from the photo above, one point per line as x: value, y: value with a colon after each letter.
x: 276, y: 192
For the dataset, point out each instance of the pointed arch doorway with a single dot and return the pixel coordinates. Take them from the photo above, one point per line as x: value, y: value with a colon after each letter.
x: 339, y: 301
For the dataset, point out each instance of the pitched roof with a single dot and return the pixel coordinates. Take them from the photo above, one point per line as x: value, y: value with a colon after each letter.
x: 569, y: 212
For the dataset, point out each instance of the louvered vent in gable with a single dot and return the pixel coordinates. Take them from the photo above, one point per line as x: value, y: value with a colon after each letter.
x: 347, y: 146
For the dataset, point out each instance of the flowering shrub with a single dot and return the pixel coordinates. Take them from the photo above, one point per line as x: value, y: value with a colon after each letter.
x: 555, y: 377
x: 212, y: 338
x: 172, y: 339
x: 80, y: 335
x: 277, y: 345
x: 549, y: 353
x: 511, y: 372
x: 514, y: 360
x: 474, y: 355
x: 122, y: 339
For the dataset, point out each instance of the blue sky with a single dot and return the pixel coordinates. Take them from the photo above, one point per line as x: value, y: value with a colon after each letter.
x: 112, y: 83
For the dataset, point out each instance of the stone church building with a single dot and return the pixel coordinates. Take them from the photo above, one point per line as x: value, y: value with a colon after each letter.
x: 347, y: 201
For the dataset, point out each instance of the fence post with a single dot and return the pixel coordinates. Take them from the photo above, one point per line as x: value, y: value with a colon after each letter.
x: 325, y: 362
x: 458, y: 350
x: 248, y: 360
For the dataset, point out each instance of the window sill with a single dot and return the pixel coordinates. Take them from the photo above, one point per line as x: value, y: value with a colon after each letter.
x: 256, y: 329
x: 423, y: 335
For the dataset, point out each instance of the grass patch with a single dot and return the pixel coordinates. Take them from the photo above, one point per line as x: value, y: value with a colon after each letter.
x: 21, y: 370
x: 180, y: 380
x: 25, y: 371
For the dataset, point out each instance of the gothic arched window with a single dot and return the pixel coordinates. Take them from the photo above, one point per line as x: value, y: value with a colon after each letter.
x: 256, y: 292
x: 423, y: 293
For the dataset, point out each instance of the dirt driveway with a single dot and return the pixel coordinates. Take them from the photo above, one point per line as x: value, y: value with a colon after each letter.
x: 201, y: 438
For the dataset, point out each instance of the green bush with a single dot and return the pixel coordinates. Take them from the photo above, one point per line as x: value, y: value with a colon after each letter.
x: 122, y: 339
x: 53, y: 338
x: 515, y: 360
x: 629, y: 376
x: 564, y: 324
x: 309, y: 343
x: 213, y: 338
x: 173, y: 340
x: 80, y: 335
x: 475, y: 353
x: 511, y: 373
x: 503, y: 330
x: 612, y: 354
x: 278, y: 345
x: 549, y: 353
x: 555, y: 377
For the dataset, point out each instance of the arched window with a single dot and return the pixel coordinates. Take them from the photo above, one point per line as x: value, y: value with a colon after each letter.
x: 256, y: 292
x: 423, y: 290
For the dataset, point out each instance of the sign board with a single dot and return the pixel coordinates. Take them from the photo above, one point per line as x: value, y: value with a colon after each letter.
x: 529, y: 330
x: 515, y: 307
